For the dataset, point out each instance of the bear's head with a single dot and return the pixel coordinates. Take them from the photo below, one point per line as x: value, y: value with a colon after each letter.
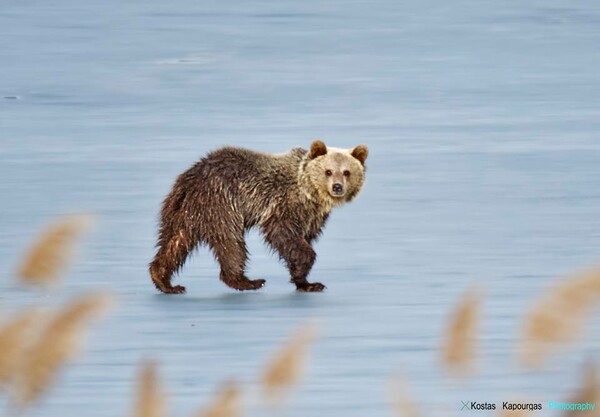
x: 336, y: 174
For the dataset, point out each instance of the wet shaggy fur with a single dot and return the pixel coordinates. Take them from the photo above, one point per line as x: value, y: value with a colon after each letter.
x: 288, y: 196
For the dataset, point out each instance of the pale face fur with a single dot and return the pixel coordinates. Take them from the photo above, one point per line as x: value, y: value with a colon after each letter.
x: 336, y: 174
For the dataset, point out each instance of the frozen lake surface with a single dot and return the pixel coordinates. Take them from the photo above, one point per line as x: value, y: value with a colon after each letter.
x: 482, y: 120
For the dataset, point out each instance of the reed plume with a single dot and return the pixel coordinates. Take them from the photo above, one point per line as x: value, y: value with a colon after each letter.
x: 285, y: 370
x: 15, y: 337
x: 459, y: 343
x: 402, y: 402
x: 52, y: 251
x: 57, y: 343
x: 588, y: 393
x: 558, y: 316
x: 150, y: 398
x: 227, y: 403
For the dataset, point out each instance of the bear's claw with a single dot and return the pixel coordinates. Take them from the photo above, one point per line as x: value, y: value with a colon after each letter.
x: 311, y: 287
x: 248, y: 284
x: 177, y: 289
x: 257, y: 283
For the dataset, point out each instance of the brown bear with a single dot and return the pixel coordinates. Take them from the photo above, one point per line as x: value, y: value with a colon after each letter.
x: 288, y: 196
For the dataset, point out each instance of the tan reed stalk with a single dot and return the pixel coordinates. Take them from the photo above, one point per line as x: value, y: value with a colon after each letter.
x: 150, y: 400
x: 227, y: 402
x: 57, y: 343
x: 286, y: 367
x: 459, y: 344
x: 558, y: 316
x: 402, y: 402
x: 15, y: 337
x: 52, y: 251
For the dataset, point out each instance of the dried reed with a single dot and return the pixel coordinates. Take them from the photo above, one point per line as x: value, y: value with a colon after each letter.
x: 558, y: 316
x: 459, y: 344
x: 227, y: 403
x: 285, y: 369
x: 402, y: 402
x: 14, y: 340
x: 51, y: 252
x: 150, y: 398
x: 588, y: 393
x: 57, y: 343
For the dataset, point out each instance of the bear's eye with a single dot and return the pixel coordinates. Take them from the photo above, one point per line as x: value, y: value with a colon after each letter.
x: 346, y: 173
x: 328, y: 173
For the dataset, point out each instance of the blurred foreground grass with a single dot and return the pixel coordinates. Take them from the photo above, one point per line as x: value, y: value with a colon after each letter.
x: 36, y: 344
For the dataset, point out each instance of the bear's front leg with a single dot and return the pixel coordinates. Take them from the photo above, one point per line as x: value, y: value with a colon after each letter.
x: 299, y: 257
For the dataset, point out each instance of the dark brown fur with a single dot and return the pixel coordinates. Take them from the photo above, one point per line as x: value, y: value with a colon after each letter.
x: 232, y: 190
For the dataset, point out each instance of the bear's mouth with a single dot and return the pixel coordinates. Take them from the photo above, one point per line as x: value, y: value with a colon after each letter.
x: 337, y: 194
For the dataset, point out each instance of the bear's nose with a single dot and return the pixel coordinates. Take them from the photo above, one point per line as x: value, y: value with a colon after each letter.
x: 337, y: 188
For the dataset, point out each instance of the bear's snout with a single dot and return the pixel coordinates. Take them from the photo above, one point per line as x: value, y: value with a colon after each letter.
x: 337, y: 188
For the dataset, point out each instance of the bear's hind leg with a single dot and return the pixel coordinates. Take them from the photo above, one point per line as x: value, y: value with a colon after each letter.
x: 168, y: 259
x: 232, y: 257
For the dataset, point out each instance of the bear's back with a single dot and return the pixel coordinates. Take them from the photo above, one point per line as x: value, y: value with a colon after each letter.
x: 240, y: 165
x: 253, y: 182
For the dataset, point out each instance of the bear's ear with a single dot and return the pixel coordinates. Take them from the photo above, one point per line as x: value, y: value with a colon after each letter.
x: 317, y: 148
x: 360, y: 152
